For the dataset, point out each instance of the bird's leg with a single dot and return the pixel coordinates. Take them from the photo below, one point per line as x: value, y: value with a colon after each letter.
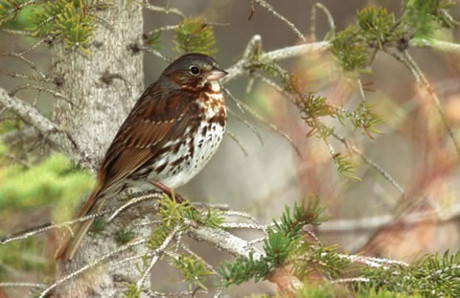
x: 171, y: 193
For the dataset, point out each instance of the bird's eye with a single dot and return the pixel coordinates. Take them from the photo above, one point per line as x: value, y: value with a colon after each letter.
x: 194, y: 70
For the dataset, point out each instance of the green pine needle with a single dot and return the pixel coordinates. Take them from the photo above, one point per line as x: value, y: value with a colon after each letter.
x: 193, y: 270
x: 194, y: 35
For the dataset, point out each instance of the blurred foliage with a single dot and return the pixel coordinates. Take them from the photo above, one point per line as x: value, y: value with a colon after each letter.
x: 426, y: 16
x: 432, y: 276
x: 287, y: 246
x: 194, y: 35
x: 25, y: 255
x: 53, y: 182
x: 377, y: 29
x: 313, y: 107
x: 71, y: 21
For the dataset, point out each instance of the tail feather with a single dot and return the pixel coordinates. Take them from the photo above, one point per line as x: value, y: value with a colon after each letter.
x: 69, y: 245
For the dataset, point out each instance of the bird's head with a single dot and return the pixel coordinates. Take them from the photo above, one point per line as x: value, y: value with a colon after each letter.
x: 193, y: 71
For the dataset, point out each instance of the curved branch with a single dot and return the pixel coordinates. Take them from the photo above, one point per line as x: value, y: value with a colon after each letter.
x: 46, y: 127
x: 288, y: 52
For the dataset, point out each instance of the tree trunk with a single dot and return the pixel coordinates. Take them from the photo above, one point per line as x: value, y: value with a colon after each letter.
x: 102, y: 88
x: 104, y: 85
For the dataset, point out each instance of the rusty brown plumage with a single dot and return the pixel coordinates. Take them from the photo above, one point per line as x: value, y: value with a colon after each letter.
x: 162, y: 139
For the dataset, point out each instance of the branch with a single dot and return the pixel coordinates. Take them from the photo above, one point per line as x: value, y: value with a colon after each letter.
x: 156, y: 256
x: 440, y: 45
x: 46, y: 127
x: 276, y: 14
x: 93, y: 264
x: 371, y: 223
x: 288, y: 52
x: 166, y: 10
x: 224, y: 240
x: 294, y: 51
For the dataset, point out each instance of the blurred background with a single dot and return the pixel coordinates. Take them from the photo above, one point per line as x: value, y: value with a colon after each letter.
x: 413, y: 148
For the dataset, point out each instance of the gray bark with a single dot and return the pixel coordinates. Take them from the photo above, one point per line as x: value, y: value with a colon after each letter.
x: 102, y: 87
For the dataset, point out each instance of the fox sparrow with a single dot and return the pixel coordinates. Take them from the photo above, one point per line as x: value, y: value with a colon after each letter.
x: 170, y: 134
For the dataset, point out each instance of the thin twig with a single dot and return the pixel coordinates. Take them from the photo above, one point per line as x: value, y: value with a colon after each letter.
x: 241, y: 214
x: 440, y: 45
x: 27, y: 61
x: 268, y: 124
x: 434, y: 97
x: 242, y: 65
x: 350, y: 280
x: 270, y: 9
x: 49, y: 226
x: 247, y: 124
x: 421, y: 79
x: 189, y: 251
x: 370, y: 162
x: 237, y: 142
x: 372, y: 261
x: 41, y: 88
x: 318, y: 6
x: 222, y: 207
x: 166, y: 10
x: 156, y: 256
x: 134, y: 201
x: 92, y: 265
x: 242, y: 225
x: 21, y: 284
x: 36, y: 45
x: 16, y: 32
x: 372, y: 223
x: 236, y: 101
x: 155, y: 53
x: 361, y: 89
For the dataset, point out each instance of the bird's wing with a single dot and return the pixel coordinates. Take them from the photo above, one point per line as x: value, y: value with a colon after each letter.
x: 157, y: 117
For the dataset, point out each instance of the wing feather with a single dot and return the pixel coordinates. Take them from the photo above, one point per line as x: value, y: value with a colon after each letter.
x: 156, y: 118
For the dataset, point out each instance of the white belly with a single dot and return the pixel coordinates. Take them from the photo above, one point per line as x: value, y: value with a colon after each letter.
x: 205, y: 146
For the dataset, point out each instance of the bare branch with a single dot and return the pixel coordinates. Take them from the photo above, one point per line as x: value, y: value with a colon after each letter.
x: 166, y: 10
x: 288, y: 52
x: 440, y: 45
x: 330, y: 19
x: 134, y: 201
x: 421, y: 79
x: 247, y: 124
x: 270, y: 9
x: 21, y: 285
x: 370, y: 162
x: 43, y: 228
x: 224, y: 240
x: 156, y: 256
x: 46, y: 127
x: 155, y: 53
x: 16, y: 32
x: 372, y: 223
x: 41, y: 88
x: 233, y: 137
x: 95, y: 263
x: 350, y: 280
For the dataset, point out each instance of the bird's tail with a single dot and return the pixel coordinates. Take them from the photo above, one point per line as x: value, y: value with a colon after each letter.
x: 70, y: 244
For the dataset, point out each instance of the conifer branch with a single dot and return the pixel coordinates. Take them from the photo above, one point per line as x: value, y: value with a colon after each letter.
x: 46, y: 127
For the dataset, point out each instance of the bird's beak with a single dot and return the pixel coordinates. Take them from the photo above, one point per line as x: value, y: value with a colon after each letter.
x: 215, y: 74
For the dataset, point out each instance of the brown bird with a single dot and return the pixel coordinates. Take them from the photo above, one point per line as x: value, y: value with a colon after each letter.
x: 169, y: 136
